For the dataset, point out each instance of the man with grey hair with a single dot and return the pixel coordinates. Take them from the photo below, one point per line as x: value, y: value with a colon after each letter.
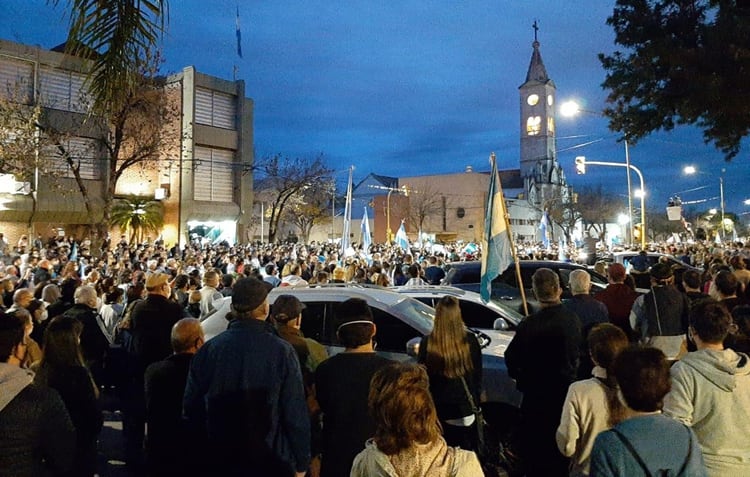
x: 94, y: 339
x: 165, y: 380
x: 590, y: 311
x: 543, y: 359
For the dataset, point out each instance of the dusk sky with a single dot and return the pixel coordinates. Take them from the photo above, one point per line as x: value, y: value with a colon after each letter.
x: 416, y: 87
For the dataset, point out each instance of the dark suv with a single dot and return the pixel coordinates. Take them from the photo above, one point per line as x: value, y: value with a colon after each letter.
x: 467, y: 275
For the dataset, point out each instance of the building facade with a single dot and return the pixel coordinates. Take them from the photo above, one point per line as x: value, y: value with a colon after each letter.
x: 201, y: 172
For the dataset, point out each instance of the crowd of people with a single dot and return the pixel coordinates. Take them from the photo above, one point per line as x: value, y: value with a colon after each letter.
x: 80, y: 321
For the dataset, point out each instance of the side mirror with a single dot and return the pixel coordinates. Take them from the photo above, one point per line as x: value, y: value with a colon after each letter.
x: 412, y: 346
x: 500, y: 325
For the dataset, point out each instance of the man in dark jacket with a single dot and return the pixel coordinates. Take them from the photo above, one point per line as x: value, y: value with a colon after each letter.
x: 590, y: 311
x: 167, y: 440
x: 37, y: 436
x: 95, y: 338
x: 151, y: 325
x: 660, y: 317
x: 543, y: 359
x: 245, y: 395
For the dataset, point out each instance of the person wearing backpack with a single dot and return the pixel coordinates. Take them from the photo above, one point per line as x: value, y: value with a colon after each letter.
x: 646, y: 443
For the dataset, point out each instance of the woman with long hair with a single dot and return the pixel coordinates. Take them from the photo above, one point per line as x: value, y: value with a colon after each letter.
x: 407, y: 437
x: 592, y: 405
x: 453, y: 359
x: 62, y: 368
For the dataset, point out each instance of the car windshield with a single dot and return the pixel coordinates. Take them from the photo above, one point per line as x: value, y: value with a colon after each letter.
x: 417, y: 314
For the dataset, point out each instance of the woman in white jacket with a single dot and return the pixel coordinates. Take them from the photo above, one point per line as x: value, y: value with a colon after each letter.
x: 407, y: 439
x: 592, y: 405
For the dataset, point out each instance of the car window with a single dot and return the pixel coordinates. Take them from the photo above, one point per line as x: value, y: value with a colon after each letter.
x: 392, y: 333
x: 476, y: 315
x: 314, y: 323
x: 564, y: 277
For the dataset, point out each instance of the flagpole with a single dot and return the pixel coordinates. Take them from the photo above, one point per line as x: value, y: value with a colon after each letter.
x: 514, y: 254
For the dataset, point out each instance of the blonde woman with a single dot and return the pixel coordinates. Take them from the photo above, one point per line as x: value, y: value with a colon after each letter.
x: 453, y: 359
x: 407, y: 439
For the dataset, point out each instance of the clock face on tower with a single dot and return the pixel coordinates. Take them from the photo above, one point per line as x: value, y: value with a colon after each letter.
x: 532, y: 99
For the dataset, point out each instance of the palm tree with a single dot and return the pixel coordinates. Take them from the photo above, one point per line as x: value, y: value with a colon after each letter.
x: 115, y: 35
x: 138, y: 214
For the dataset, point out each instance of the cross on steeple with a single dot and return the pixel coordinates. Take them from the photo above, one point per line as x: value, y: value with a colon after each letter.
x: 535, y: 26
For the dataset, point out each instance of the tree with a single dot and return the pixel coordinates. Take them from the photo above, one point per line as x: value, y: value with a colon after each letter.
x: 308, y: 208
x: 424, y: 202
x: 20, y: 143
x: 682, y: 61
x: 281, y: 179
x: 139, y: 215
x: 114, y: 35
x: 660, y: 228
x: 597, y: 208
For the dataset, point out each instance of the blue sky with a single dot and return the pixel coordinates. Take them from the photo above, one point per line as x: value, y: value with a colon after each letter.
x: 413, y: 87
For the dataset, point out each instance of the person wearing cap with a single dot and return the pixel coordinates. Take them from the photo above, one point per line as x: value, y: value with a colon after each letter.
x: 244, y: 394
x: 660, y: 317
x: 287, y: 314
x: 342, y: 384
x: 151, y: 322
x: 618, y: 298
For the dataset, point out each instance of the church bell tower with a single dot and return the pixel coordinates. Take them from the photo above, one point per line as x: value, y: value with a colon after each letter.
x: 537, y: 96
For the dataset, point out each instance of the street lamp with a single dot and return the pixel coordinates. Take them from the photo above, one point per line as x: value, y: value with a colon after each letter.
x: 690, y: 170
x: 641, y: 193
x: 570, y: 109
x: 404, y: 190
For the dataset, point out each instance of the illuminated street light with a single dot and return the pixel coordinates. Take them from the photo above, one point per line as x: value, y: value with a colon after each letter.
x: 572, y: 108
x: 639, y: 193
x: 642, y: 195
x: 712, y: 211
x: 747, y: 202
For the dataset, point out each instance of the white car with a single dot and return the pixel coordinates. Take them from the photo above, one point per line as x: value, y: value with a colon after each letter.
x: 401, y: 323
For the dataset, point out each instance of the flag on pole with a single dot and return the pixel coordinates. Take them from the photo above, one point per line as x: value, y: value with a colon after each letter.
x: 543, y: 224
x: 561, y: 250
x: 365, y: 229
x: 497, y: 253
x: 401, y: 239
x: 345, y: 235
x: 239, y: 35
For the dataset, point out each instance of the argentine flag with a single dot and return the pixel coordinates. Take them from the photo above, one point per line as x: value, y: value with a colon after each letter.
x: 497, y: 253
x: 543, y: 224
x: 365, y: 231
x: 401, y: 239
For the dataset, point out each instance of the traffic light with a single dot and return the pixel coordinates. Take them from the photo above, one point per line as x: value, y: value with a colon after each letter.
x: 580, y: 165
x: 637, y: 231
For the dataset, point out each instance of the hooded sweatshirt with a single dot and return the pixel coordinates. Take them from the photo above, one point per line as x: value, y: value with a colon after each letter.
x: 435, y: 460
x: 711, y: 393
x: 12, y: 381
x: 36, y: 435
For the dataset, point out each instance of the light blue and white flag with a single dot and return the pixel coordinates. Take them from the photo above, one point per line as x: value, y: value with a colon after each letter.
x: 543, y: 224
x: 401, y: 239
x: 365, y: 230
x: 238, y: 33
x: 561, y: 250
x: 497, y: 252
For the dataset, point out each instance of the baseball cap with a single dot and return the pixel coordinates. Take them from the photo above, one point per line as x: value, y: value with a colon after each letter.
x: 286, y: 308
x: 249, y: 293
